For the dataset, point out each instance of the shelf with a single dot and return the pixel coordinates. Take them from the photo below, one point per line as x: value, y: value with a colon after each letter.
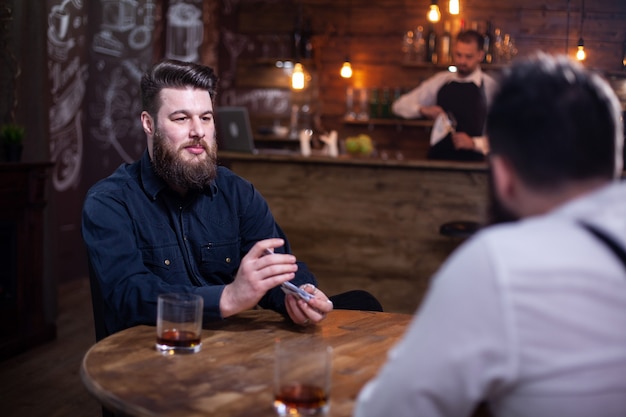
x: 391, y: 122
x: 428, y: 65
x: 274, y: 138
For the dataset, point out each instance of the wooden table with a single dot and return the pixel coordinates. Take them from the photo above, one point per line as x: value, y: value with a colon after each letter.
x: 233, y: 373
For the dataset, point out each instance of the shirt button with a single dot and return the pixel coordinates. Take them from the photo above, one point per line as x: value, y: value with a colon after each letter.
x: 166, y: 262
x: 228, y: 260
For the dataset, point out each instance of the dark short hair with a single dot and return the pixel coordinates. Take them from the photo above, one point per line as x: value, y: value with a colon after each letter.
x: 174, y: 74
x: 556, y: 123
x: 471, y: 36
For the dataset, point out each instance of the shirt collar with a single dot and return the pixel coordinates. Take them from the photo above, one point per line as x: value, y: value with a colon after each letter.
x: 153, y: 184
x: 475, y: 77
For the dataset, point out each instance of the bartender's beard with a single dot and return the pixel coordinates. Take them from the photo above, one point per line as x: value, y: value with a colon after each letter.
x: 497, y: 212
x: 179, y: 173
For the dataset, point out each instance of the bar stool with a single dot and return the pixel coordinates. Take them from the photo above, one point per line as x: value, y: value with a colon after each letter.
x: 459, y: 228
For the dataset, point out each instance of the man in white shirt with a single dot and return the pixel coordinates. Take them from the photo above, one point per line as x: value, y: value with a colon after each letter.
x: 529, y: 316
x: 463, y: 95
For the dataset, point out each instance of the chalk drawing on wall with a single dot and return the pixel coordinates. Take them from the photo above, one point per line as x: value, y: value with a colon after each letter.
x: 235, y: 44
x: 121, y: 17
x: 123, y: 40
x: 119, y: 94
x: 229, y: 6
x: 68, y: 77
x: 184, y: 32
x: 270, y: 101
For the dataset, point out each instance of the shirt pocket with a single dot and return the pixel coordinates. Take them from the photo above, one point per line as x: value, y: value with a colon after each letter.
x: 165, y: 261
x: 221, y: 258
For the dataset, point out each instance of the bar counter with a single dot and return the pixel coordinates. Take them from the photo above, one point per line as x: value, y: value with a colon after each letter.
x: 363, y: 220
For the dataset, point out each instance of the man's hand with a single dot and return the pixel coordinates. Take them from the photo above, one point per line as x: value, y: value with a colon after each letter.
x: 431, y: 112
x: 307, y: 312
x: 257, y: 274
x: 462, y: 140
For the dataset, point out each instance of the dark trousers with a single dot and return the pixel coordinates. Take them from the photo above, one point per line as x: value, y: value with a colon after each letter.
x: 356, y: 300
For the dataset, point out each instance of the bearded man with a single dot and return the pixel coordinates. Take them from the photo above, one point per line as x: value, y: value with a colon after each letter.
x: 176, y: 222
x: 457, y: 100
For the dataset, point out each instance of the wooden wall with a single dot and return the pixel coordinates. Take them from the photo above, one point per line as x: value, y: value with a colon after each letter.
x: 371, y: 33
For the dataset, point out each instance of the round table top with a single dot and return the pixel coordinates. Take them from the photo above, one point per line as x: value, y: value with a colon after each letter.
x: 233, y: 373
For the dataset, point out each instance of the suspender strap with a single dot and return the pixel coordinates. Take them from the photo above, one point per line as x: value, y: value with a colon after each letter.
x: 608, y: 241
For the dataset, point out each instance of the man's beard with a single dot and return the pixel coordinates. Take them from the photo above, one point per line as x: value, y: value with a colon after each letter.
x: 178, y: 173
x: 463, y: 71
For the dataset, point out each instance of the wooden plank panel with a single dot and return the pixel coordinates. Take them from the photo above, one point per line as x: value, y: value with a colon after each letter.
x: 376, y: 222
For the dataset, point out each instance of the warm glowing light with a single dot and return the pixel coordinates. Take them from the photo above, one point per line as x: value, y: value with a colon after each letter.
x: 453, y: 7
x: 346, y: 69
x: 434, y: 15
x: 297, y: 77
x: 580, y: 54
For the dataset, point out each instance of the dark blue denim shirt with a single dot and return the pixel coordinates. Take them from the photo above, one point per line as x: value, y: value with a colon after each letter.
x: 144, y: 240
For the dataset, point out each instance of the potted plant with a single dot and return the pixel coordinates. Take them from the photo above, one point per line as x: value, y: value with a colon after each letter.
x: 11, y: 137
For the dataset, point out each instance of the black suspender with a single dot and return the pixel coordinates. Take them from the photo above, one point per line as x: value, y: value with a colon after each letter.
x: 608, y: 241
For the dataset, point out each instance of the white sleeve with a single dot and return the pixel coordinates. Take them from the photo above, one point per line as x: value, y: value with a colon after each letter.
x: 455, y: 350
x: 408, y: 105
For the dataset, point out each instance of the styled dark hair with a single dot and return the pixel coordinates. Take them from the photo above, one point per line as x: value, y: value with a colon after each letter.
x: 471, y: 36
x: 174, y: 74
x: 556, y: 123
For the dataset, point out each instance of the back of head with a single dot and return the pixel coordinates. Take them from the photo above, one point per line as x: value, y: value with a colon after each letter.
x: 174, y: 74
x: 556, y: 123
x: 471, y: 36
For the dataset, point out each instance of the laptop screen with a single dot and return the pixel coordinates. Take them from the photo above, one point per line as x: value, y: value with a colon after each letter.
x: 233, y: 130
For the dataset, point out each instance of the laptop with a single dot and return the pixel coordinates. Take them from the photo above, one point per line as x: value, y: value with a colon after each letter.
x: 233, y: 130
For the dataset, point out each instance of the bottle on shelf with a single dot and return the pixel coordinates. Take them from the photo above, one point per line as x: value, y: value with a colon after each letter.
x: 296, y: 37
x: 624, y: 56
x: 374, y: 108
x: 488, y: 45
x: 302, y: 37
x: 350, y: 112
x: 431, y: 46
x: 363, y: 113
x: 445, y: 45
x: 408, y: 48
x: 497, y: 46
x: 385, y: 104
x: 419, y: 44
x: 306, y: 43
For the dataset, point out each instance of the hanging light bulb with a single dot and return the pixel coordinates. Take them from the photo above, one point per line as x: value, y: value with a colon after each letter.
x: 297, y: 77
x: 580, y: 53
x: 346, y: 69
x: 434, y: 14
x: 453, y: 7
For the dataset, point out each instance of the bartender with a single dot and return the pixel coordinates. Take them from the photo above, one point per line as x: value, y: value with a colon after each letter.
x: 457, y: 101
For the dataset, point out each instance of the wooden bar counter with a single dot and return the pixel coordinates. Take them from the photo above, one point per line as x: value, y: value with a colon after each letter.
x: 367, y: 222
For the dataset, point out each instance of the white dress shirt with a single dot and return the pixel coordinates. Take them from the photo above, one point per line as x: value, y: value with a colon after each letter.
x: 408, y: 105
x: 529, y: 315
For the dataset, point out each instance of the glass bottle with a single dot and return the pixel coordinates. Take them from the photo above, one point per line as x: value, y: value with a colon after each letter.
x: 488, y: 46
x: 385, y: 104
x: 408, y: 49
x: 445, y: 45
x: 497, y: 46
x: 419, y: 43
x: 431, y: 46
x: 374, y: 112
x: 306, y: 43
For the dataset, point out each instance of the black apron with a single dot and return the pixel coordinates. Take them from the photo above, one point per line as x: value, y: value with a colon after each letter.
x: 467, y: 103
